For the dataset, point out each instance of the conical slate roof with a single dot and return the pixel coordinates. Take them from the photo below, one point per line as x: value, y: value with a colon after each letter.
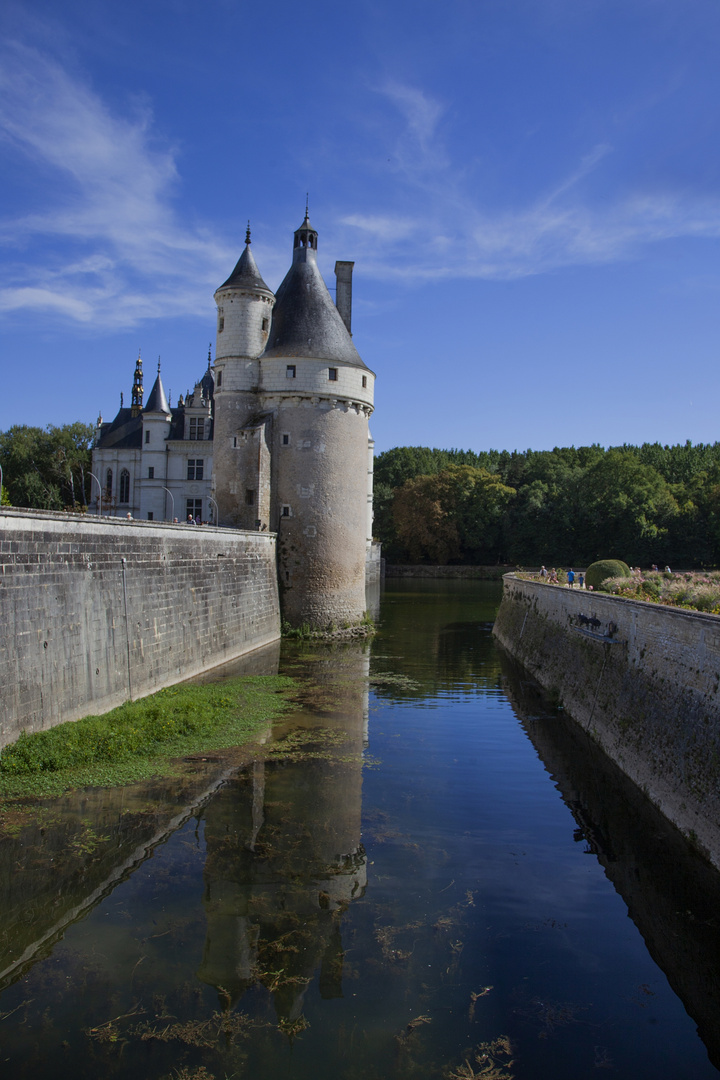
x: 246, y: 274
x: 305, y: 321
x: 157, y: 402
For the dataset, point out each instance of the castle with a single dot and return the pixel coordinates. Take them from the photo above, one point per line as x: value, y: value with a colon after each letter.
x: 273, y: 437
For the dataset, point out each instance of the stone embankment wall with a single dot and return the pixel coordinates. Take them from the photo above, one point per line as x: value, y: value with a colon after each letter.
x: 94, y: 611
x: 642, y: 679
x: 481, y: 573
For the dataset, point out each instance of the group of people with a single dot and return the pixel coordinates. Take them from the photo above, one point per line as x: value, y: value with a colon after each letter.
x: 551, y: 577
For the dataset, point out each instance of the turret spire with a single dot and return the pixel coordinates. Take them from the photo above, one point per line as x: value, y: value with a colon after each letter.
x: 306, y: 240
x: 137, y: 389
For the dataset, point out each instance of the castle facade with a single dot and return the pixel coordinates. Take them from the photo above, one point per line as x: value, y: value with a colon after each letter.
x: 273, y: 437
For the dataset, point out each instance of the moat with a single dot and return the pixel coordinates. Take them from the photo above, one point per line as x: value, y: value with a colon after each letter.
x: 428, y: 872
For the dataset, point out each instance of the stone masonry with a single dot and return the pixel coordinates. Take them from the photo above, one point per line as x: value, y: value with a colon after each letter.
x: 96, y: 611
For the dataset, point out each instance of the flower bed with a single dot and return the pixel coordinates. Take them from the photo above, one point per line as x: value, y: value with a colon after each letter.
x: 696, y: 590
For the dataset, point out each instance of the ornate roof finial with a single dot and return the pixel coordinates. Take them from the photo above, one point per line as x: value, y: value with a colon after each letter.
x: 158, y: 365
x: 121, y: 399
x: 136, y: 399
x: 307, y: 205
x: 247, y: 234
x: 210, y: 354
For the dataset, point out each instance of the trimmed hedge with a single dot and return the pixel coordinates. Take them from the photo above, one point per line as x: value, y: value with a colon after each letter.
x: 600, y: 571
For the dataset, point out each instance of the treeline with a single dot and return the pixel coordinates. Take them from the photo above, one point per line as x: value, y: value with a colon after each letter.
x: 571, y: 505
x: 46, y: 468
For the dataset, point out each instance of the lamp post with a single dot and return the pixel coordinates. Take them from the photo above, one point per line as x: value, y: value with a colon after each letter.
x: 99, y: 492
x: 172, y: 502
x: 217, y: 512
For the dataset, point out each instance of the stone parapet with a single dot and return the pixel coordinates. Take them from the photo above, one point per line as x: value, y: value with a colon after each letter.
x: 97, y: 610
x: 642, y: 679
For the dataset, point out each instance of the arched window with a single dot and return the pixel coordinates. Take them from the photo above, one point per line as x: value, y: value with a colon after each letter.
x: 108, y: 483
x: 124, y: 486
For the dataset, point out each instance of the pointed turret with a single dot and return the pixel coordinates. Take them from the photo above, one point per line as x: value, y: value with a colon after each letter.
x: 157, y: 402
x: 306, y: 322
x: 246, y: 274
x: 244, y: 304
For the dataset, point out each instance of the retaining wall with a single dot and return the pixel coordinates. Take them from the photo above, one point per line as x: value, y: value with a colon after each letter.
x: 482, y: 573
x: 642, y: 680
x: 93, y: 611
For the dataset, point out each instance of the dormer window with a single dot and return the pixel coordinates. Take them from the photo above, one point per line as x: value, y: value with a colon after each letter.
x: 197, y: 428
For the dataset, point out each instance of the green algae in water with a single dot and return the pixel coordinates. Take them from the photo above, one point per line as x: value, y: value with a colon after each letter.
x: 141, y: 738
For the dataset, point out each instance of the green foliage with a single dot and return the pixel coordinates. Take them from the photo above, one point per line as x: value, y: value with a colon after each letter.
x: 48, y: 469
x: 599, y: 571
x: 650, y: 503
x: 176, y: 721
x: 453, y: 516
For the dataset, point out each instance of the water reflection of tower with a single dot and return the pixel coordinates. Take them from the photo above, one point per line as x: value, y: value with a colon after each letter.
x: 284, y: 857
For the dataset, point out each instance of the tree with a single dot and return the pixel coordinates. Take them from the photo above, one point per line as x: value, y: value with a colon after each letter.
x: 630, y: 507
x: 454, y: 516
x: 47, y: 468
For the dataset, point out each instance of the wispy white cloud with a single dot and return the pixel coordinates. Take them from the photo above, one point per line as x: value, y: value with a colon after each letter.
x: 416, y: 148
x: 110, y: 207
x: 563, y: 226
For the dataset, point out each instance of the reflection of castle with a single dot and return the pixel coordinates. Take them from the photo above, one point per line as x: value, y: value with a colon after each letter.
x: 284, y: 858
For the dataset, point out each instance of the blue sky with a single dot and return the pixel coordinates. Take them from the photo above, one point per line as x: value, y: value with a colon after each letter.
x: 530, y: 190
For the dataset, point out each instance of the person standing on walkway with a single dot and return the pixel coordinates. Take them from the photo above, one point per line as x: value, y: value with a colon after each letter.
x: 571, y: 578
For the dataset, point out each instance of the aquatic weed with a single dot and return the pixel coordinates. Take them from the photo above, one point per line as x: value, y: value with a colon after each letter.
x: 128, y: 743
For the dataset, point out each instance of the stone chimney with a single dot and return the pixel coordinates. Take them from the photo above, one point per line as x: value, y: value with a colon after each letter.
x: 343, y: 294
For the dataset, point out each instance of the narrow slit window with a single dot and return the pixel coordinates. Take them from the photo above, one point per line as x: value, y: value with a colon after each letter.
x: 151, y: 472
x: 332, y: 374
x: 286, y: 511
x: 250, y: 497
x: 218, y: 381
x: 364, y: 379
x: 286, y: 440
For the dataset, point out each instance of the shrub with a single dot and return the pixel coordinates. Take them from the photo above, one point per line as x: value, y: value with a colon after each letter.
x: 600, y: 571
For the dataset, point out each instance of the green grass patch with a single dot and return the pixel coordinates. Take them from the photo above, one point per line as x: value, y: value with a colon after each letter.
x: 141, y: 738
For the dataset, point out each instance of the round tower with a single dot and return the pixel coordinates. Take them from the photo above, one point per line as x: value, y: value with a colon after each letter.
x: 241, y: 475
x: 320, y: 396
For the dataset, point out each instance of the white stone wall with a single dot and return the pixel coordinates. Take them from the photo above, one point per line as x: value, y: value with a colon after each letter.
x: 241, y: 314
x: 321, y: 477
x: 312, y: 379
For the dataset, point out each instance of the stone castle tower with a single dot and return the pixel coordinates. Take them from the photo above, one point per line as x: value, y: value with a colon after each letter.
x: 292, y: 451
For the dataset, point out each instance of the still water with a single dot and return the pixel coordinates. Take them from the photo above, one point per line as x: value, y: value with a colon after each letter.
x: 428, y: 872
